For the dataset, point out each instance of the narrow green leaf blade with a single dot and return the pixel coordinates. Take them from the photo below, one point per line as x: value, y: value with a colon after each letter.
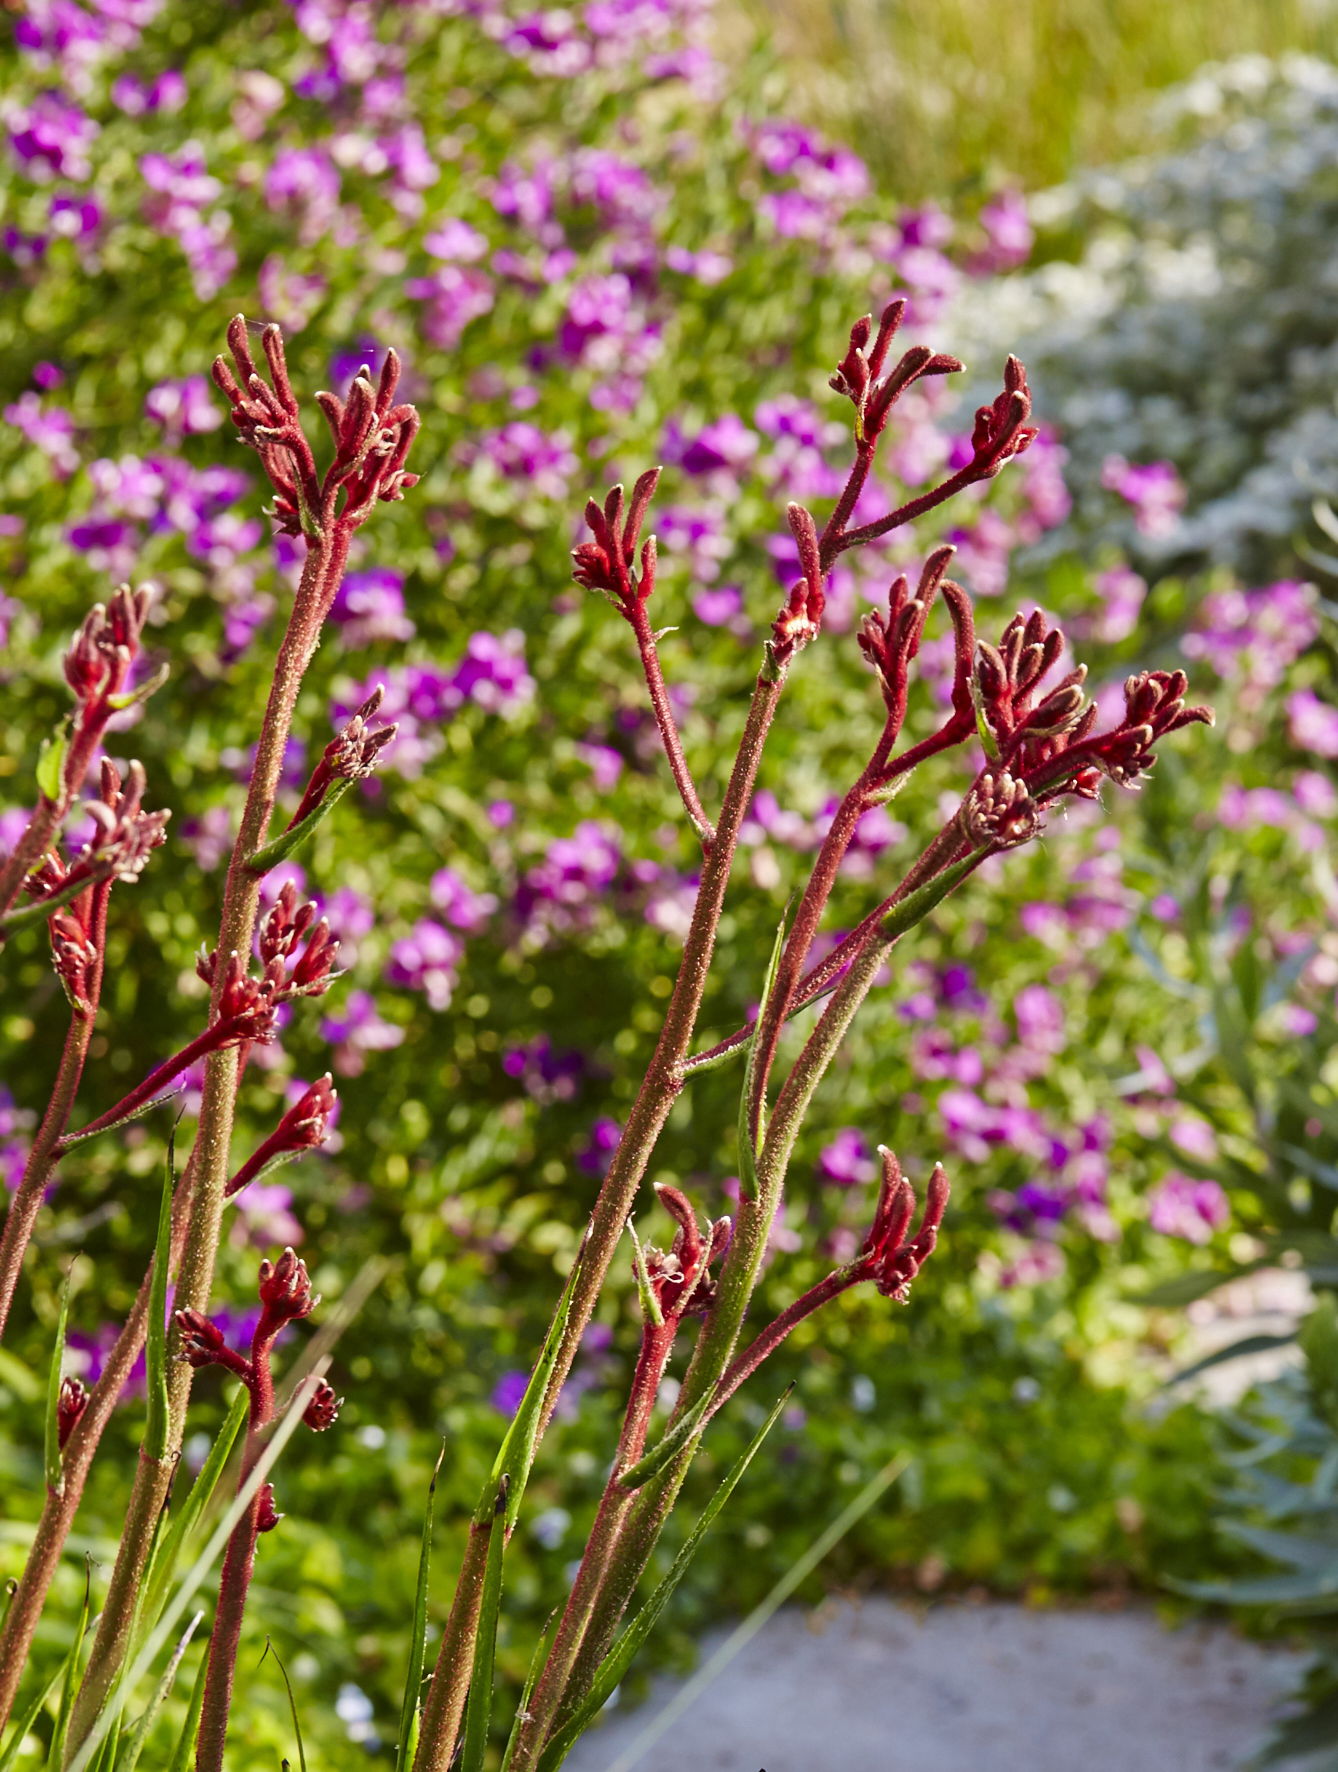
x: 478, y: 1709
x: 200, y: 1495
x: 292, y: 1705
x: 55, y: 1463
x: 615, y: 1664
x: 747, y: 1149
x: 916, y: 906
x: 24, y: 1725
x: 183, y: 1755
x: 413, y: 1680
x: 134, y: 1743
x: 156, y: 1426
x: 546, y: 1640
x: 57, y: 1750
x: 287, y: 841
x: 516, y: 1453
x: 669, y: 1447
x: 1252, y: 1344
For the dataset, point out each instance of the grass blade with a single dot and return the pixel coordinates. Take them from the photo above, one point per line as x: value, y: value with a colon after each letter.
x: 747, y: 1148
x: 56, y: 1752
x: 201, y: 1493
x: 292, y: 1703
x: 155, y: 1343
x: 194, y: 1580
x: 537, y: 1660
x: 478, y: 1710
x: 615, y: 1664
x: 669, y: 1447
x: 127, y: 1758
x: 25, y: 1723
x: 183, y: 1755
x: 413, y: 1680
x: 516, y: 1453
x: 798, y: 1572
x: 55, y: 1461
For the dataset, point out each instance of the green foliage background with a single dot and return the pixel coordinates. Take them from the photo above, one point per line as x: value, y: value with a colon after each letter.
x: 1035, y: 1467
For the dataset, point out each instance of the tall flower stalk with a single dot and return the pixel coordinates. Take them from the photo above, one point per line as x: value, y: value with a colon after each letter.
x: 1033, y: 743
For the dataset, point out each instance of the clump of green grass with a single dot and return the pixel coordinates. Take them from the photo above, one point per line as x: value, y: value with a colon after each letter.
x: 952, y: 98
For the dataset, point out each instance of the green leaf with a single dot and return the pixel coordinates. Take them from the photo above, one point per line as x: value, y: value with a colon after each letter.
x: 287, y: 841
x: 747, y: 1149
x: 650, y: 1305
x: 27, y: 916
x: 199, y: 1498
x: 51, y: 763
x: 157, y: 1423
x: 280, y: 1434
x: 516, y: 1453
x: 1326, y: 1174
x: 129, y: 697
x: 547, y: 1637
x: 55, y: 1462
x: 1186, y: 1288
x: 478, y: 1709
x: 916, y: 906
x: 413, y: 1680
x: 1252, y: 1344
x: 128, y: 1756
x: 615, y: 1664
x: 183, y: 1755
x: 669, y: 1447
x: 292, y: 1705
x: 56, y: 1752
x: 24, y: 1725
x: 136, y: 1113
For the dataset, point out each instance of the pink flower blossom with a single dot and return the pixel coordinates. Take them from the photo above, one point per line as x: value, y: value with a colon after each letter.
x: 1312, y: 724
x: 1179, y: 1206
x: 1155, y: 491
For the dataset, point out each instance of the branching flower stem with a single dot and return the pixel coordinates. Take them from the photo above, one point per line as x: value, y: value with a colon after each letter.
x: 661, y: 1087
x: 664, y: 718
x: 59, y: 1511
x: 45, y: 1152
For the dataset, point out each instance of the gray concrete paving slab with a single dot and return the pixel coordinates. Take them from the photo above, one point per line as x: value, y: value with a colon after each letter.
x: 885, y: 1687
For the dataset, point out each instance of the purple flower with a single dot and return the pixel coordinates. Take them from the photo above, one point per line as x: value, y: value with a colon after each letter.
x: 425, y: 960
x: 578, y: 868
x: 304, y: 182
x: 455, y: 241
x: 369, y: 606
x: 1254, y: 635
x: 698, y: 535
x: 1315, y: 794
x: 1182, y: 1207
x: 1155, y: 491
x: 1009, y: 233
x: 1040, y: 1019
x: 1312, y: 724
x: 716, y: 608
x: 605, y: 765
x: 210, y: 837
x: 727, y: 445
x: 74, y: 218
x: 846, y: 1161
x: 521, y: 451
x: 182, y: 191
x: 51, y: 139
x: 1121, y: 591
x: 597, y: 1154
x: 50, y: 429
x: 463, y: 908
x: 359, y: 1030
x: 548, y: 1075
x: 265, y: 1216
x: 509, y: 1391
x: 183, y: 408
x: 454, y: 297
x: 350, y: 917
x: 492, y: 672
x: 292, y: 297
